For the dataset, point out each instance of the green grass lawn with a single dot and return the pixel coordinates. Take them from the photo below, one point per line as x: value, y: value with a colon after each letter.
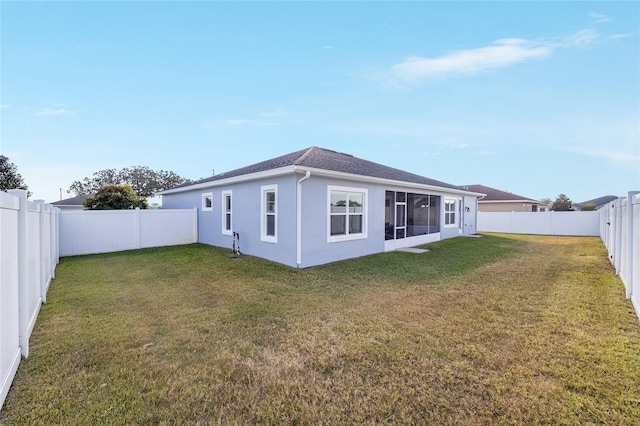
x: 493, y: 330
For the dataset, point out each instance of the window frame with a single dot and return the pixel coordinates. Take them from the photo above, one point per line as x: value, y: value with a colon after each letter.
x: 264, y: 214
x: 226, y: 194
x: 209, y: 196
x: 347, y: 236
x: 448, y: 214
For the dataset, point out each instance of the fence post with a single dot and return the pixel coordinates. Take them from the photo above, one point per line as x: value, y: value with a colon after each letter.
x: 612, y: 231
x: 57, y: 244
x: 53, y: 229
x: 195, y: 224
x: 629, y: 259
x: 617, y: 234
x: 41, y: 238
x: 23, y: 311
x: 138, y: 231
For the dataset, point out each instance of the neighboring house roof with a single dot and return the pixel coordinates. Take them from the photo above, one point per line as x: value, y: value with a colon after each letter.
x: 323, y: 159
x: 600, y: 201
x: 495, y: 195
x: 74, y: 201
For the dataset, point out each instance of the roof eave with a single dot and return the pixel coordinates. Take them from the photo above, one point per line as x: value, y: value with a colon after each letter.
x: 510, y: 201
x: 314, y: 171
x: 384, y: 181
x: 235, y: 179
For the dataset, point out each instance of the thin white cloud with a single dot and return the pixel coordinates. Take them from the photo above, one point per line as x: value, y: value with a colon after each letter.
x: 621, y: 35
x: 461, y: 145
x: 580, y: 39
x: 487, y: 153
x: 599, y: 18
x: 52, y: 111
x: 327, y: 48
x: 625, y: 153
x: 500, y: 54
x: 276, y: 113
x: 5, y: 106
x: 236, y: 121
x: 608, y: 154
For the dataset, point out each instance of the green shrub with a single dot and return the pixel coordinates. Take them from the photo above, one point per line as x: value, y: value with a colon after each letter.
x: 115, y: 197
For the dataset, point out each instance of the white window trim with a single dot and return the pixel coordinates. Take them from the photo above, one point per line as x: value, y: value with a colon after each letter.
x: 224, y: 213
x: 263, y: 213
x: 206, y: 195
x: 454, y: 211
x: 365, y: 214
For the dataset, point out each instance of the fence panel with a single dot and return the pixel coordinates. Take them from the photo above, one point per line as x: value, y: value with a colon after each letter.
x: 635, y: 252
x: 9, y: 298
x: 541, y: 223
x: 28, y: 257
x: 88, y: 232
x: 623, y: 263
x: 32, y: 290
x: 168, y: 227
x: 104, y: 231
x: 620, y: 232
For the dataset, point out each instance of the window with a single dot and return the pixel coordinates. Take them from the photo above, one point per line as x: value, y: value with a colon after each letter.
x: 226, y: 213
x: 207, y: 202
x: 449, y: 212
x: 408, y: 214
x: 347, y: 219
x: 269, y: 209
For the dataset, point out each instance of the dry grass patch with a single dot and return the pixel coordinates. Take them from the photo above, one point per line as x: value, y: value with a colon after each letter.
x: 497, y: 330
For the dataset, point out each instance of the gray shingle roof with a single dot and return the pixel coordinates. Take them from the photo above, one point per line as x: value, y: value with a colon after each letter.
x: 73, y: 201
x: 326, y: 159
x: 495, y: 194
x: 600, y: 201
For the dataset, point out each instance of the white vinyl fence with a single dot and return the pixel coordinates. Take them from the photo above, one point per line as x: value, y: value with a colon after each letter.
x: 620, y: 232
x: 541, y: 223
x: 28, y: 258
x: 104, y: 231
x: 617, y: 223
x: 34, y: 235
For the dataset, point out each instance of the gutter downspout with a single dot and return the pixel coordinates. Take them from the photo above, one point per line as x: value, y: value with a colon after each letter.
x: 299, y: 218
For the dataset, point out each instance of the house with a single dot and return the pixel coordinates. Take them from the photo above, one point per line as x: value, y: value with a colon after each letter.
x: 595, y: 203
x: 502, y: 201
x: 316, y: 206
x: 74, y: 203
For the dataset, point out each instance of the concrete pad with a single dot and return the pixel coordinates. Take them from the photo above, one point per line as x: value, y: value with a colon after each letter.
x: 412, y: 250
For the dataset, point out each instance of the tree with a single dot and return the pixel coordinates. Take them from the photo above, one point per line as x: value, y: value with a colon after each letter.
x: 562, y: 204
x: 115, y: 197
x: 9, y: 176
x: 545, y: 201
x: 144, y: 181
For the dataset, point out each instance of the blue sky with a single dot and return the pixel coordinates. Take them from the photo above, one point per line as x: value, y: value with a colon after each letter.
x: 535, y: 98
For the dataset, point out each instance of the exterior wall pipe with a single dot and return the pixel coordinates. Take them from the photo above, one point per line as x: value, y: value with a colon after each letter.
x: 306, y: 176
